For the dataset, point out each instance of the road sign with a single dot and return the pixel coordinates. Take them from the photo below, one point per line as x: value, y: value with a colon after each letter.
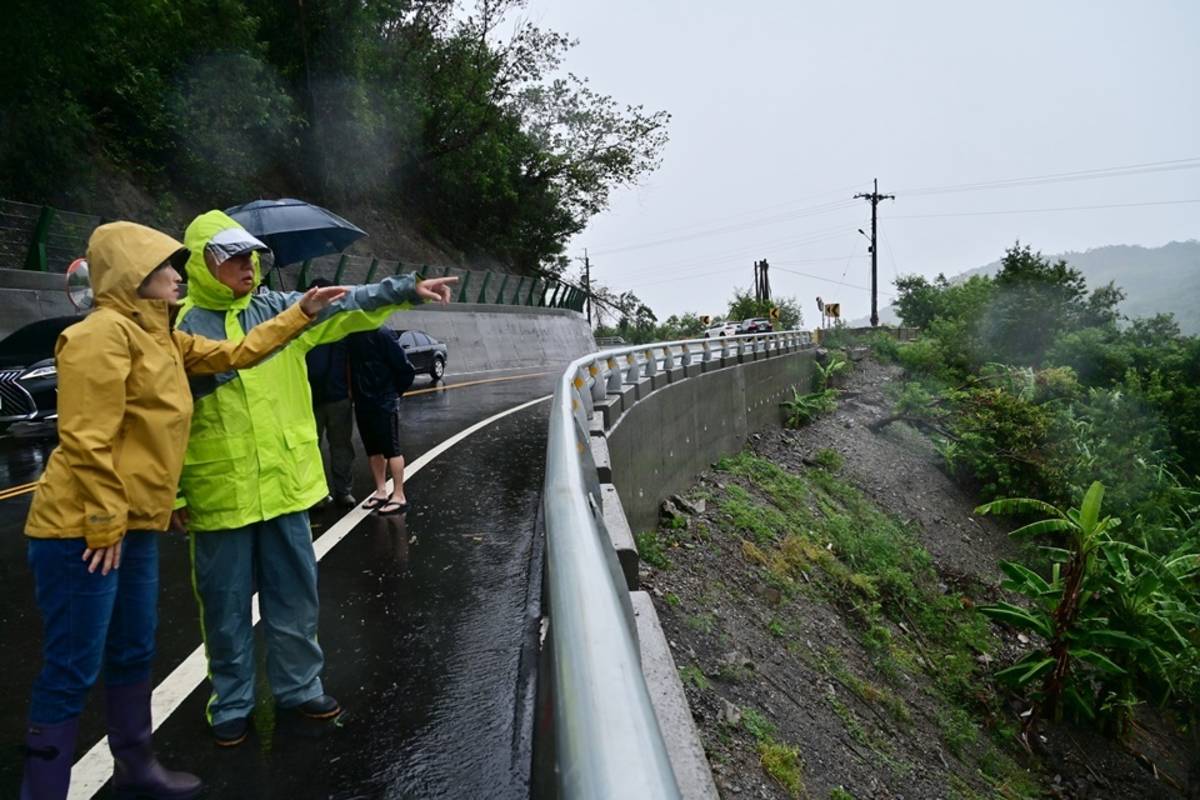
x: 705, y: 320
x: 774, y: 314
x: 833, y: 310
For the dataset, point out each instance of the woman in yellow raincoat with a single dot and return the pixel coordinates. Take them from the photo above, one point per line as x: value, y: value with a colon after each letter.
x: 124, y: 411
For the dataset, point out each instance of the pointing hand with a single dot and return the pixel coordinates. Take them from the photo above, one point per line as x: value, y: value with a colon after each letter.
x: 436, y: 289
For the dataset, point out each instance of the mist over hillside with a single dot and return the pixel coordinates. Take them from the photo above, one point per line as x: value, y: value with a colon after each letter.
x: 1155, y: 279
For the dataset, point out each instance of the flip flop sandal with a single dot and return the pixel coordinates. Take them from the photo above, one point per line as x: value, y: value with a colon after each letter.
x: 390, y: 508
x: 374, y: 502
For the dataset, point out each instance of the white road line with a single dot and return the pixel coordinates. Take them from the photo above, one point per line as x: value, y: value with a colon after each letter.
x: 94, y: 769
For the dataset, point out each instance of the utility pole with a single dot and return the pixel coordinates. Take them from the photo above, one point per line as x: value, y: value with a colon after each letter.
x: 762, y: 282
x: 587, y: 284
x: 874, y: 198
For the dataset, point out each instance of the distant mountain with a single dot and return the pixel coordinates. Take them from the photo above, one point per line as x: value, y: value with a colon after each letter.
x: 1155, y: 279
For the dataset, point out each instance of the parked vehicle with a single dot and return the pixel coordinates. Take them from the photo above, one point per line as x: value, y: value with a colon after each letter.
x: 28, y: 377
x: 426, y: 353
x: 721, y: 328
x: 755, y: 325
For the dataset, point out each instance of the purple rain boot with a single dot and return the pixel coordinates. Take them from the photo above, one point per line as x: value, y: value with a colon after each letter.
x: 49, y: 751
x: 136, y: 772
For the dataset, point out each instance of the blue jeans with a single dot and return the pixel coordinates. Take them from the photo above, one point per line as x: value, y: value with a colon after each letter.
x: 276, y: 557
x: 92, y: 620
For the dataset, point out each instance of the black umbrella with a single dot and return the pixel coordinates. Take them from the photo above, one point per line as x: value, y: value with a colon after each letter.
x: 295, y: 230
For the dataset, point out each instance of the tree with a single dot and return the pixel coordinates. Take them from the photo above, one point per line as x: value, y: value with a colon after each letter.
x: 743, y: 305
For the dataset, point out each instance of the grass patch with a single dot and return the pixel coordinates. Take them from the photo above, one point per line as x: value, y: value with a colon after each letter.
x: 652, y: 549
x: 780, y: 761
x: 704, y: 623
x: 693, y: 675
x: 829, y: 459
x: 839, y: 793
x: 672, y: 599
x: 958, y: 729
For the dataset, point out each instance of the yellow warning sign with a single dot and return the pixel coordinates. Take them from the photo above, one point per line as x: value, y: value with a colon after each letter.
x: 774, y: 314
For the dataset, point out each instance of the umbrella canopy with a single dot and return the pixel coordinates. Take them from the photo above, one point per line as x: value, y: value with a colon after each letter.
x: 296, y: 230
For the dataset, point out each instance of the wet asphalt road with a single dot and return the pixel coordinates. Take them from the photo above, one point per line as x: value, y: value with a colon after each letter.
x: 428, y: 622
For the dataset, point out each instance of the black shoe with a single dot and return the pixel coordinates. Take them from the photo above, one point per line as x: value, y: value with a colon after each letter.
x: 323, y: 707
x: 346, y: 500
x: 232, y: 732
x: 324, y: 502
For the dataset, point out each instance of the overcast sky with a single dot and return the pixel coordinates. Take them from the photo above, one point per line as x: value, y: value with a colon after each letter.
x: 782, y: 108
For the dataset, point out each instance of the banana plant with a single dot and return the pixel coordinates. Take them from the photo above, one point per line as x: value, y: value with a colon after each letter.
x: 1075, y: 634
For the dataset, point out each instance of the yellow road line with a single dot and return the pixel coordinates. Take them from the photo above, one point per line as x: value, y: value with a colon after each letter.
x: 444, y: 387
x: 26, y: 488
x: 16, y: 491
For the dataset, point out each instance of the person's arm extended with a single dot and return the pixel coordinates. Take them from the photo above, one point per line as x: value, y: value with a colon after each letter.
x: 202, y: 356
x: 92, y: 370
x: 366, y: 307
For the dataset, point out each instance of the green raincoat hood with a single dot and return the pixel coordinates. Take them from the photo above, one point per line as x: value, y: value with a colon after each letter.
x: 204, y: 290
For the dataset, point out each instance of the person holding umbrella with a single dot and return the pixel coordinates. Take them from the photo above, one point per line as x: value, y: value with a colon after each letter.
x: 253, y: 470
x: 106, y: 494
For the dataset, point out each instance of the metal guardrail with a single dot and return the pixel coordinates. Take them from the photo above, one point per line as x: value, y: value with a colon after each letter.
x: 47, y: 239
x: 606, y: 736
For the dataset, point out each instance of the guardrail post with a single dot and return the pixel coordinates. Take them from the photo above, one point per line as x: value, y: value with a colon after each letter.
x: 341, y: 267
x: 516, y: 298
x: 631, y: 368
x: 36, y: 258
x: 614, y: 376
x: 371, y: 271
x: 651, y: 363
x: 554, y: 296
x: 597, y: 384
x: 462, y: 292
x: 487, y: 278
x: 532, y: 289
x: 500, y: 294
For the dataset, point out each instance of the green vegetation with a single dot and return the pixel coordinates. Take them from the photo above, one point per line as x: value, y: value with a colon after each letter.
x: 804, y: 408
x: 838, y: 793
x: 779, y: 760
x: 652, y: 549
x: 464, y: 116
x: 693, y: 675
x: 1032, y: 386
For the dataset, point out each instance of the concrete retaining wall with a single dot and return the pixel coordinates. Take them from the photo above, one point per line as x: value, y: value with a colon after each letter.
x: 485, y: 337
x: 480, y: 337
x: 659, y: 445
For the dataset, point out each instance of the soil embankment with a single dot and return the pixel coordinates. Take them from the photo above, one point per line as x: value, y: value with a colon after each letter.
x: 819, y: 590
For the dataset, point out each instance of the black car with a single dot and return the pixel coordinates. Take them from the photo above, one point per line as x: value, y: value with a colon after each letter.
x: 426, y: 353
x: 28, y: 378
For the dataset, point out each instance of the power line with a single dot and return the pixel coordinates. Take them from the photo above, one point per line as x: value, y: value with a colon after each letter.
x: 1060, y: 177
x: 790, y: 243
x: 1045, y: 210
x: 825, y: 208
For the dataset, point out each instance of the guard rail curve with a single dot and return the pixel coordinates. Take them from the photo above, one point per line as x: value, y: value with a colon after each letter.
x: 607, y: 741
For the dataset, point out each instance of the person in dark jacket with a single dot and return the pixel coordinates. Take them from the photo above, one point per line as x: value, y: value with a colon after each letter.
x: 328, y: 376
x: 379, y: 373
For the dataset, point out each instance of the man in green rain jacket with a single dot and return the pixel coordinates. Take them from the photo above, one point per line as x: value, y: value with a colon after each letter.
x: 253, y: 469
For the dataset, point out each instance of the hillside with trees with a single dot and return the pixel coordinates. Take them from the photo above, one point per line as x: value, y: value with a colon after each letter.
x: 1154, y: 280
x: 462, y: 122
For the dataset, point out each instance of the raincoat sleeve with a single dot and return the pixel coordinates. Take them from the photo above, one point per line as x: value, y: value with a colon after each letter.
x: 92, y: 370
x: 202, y: 356
x: 364, y: 308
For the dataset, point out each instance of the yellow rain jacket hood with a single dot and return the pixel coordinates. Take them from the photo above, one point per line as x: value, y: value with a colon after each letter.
x: 124, y: 406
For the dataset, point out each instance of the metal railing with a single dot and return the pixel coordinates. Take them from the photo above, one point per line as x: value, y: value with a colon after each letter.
x: 46, y: 239
x: 607, y: 740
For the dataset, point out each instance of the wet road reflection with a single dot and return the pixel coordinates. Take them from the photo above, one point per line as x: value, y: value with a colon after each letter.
x: 428, y: 622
